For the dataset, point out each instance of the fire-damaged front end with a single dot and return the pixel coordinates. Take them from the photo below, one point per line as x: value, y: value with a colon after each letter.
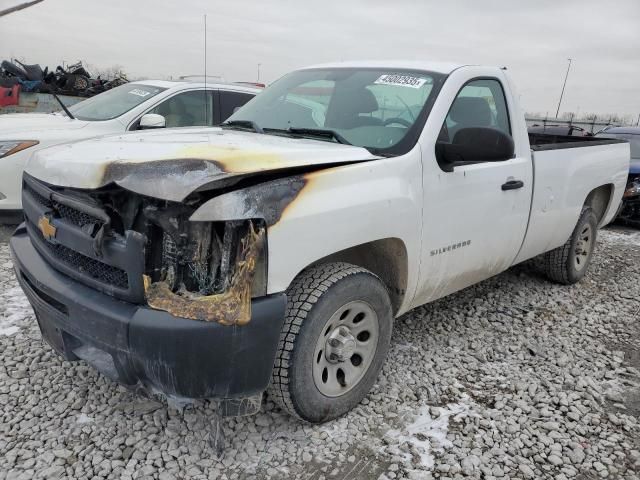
x: 147, y: 255
x: 149, y: 297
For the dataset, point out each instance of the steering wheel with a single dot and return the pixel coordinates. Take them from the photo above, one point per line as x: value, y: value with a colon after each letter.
x: 401, y: 121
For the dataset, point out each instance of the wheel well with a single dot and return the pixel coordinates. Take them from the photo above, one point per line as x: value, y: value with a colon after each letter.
x: 599, y: 199
x: 386, y: 258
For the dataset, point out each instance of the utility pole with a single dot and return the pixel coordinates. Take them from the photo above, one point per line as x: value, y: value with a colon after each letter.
x: 638, y: 122
x: 259, y: 73
x: 563, y: 87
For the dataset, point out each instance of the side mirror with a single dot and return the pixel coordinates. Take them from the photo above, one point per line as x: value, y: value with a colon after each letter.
x: 152, y: 120
x: 475, y: 144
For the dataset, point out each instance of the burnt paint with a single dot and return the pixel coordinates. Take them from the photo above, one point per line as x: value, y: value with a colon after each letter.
x: 175, y: 179
x: 267, y: 201
x: 232, y: 307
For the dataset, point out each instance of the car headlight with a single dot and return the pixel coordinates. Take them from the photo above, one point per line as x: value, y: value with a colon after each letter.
x: 633, y: 188
x: 9, y: 147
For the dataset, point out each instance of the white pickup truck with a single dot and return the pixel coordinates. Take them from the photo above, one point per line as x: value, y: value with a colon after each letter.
x: 273, y: 253
x: 134, y: 106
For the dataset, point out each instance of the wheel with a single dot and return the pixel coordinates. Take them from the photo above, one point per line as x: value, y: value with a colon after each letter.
x: 568, y: 264
x: 334, y: 341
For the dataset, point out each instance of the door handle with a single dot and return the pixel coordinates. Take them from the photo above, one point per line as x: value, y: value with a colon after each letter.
x: 513, y: 185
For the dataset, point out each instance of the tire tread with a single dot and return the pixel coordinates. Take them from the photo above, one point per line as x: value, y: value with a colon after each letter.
x: 555, y: 263
x: 302, y: 295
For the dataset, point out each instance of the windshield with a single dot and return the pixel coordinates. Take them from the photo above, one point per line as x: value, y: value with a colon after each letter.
x: 634, y: 140
x: 115, y: 102
x: 382, y: 110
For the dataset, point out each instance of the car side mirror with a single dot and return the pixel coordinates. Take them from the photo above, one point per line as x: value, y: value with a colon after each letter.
x: 152, y: 120
x: 475, y: 144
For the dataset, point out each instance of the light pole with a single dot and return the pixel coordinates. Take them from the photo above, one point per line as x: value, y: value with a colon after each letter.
x: 563, y: 86
x: 259, y: 72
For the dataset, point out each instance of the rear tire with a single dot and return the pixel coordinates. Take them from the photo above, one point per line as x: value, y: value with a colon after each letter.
x: 569, y: 263
x: 334, y: 341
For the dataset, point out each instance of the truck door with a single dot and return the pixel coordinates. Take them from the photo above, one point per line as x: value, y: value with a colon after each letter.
x: 474, y: 217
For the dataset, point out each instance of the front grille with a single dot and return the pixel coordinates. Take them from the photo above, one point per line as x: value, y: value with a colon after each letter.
x: 45, y: 202
x: 102, y: 272
x: 71, y: 215
x: 75, y: 216
x: 98, y: 257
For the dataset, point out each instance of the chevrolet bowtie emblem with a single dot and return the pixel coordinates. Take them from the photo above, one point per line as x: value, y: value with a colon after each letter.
x: 46, y: 228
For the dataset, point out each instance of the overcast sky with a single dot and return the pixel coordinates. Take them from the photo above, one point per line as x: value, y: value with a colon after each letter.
x: 158, y: 39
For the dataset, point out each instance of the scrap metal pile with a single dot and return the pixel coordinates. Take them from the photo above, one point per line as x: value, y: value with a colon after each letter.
x: 74, y: 80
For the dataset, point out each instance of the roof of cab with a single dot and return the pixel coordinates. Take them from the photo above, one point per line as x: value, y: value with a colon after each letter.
x: 438, y: 67
x: 213, y: 85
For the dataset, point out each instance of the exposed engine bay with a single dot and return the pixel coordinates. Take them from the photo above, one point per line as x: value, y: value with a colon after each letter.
x: 206, y: 271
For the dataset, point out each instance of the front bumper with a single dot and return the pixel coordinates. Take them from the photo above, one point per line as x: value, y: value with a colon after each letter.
x: 138, y: 346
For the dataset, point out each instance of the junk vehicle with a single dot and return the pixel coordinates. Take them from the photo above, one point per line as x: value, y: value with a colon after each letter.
x: 133, y: 106
x: 274, y: 251
x: 73, y: 80
x: 629, y: 212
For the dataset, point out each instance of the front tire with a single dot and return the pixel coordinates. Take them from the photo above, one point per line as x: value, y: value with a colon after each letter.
x: 569, y: 263
x: 334, y: 341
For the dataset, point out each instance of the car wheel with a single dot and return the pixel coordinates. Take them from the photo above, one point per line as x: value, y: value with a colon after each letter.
x: 569, y: 263
x: 334, y: 341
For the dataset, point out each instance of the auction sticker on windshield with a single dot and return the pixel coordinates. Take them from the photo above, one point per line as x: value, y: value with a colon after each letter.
x: 140, y: 93
x: 402, y: 80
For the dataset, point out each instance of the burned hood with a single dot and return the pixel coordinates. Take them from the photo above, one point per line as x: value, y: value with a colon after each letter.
x: 171, y: 164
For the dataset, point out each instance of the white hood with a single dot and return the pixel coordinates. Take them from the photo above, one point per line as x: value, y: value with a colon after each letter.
x: 22, y: 126
x: 170, y: 164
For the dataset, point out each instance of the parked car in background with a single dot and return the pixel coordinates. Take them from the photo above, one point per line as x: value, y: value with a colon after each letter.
x: 275, y: 251
x: 566, y: 130
x: 134, y: 106
x: 630, y: 207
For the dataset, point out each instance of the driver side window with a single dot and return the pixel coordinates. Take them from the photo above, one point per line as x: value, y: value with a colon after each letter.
x: 480, y: 103
x: 188, y: 109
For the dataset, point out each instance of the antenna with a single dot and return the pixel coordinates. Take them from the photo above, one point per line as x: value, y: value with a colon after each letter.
x: 206, y: 110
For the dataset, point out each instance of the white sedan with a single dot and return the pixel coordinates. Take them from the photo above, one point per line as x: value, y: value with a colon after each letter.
x: 134, y: 106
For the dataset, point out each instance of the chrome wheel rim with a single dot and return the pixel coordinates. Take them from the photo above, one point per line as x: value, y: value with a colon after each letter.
x: 345, y: 348
x: 583, y: 248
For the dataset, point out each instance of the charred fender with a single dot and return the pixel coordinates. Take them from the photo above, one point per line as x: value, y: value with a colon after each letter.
x: 267, y: 201
x: 232, y: 307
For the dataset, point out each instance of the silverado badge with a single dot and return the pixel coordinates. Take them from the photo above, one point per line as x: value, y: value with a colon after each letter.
x: 46, y: 228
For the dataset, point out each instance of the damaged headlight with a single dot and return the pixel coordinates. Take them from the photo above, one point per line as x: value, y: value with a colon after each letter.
x: 9, y: 147
x: 633, y: 188
x: 206, y: 271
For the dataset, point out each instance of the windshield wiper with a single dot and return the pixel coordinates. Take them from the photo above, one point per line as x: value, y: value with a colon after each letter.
x: 244, y: 124
x: 64, y: 107
x: 319, y: 132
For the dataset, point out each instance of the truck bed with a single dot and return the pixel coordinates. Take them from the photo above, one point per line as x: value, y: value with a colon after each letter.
x: 543, y: 141
x: 566, y: 170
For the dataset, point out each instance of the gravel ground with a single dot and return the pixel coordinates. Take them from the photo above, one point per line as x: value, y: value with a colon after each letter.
x: 513, y: 378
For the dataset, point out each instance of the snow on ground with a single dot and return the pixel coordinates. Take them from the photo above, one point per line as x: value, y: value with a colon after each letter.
x: 427, y: 432
x: 15, y: 309
x: 620, y: 237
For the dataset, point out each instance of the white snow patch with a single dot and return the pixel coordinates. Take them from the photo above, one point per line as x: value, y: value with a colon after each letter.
x: 618, y: 237
x: 426, y: 433
x: 15, y: 311
x: 83, y: 418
